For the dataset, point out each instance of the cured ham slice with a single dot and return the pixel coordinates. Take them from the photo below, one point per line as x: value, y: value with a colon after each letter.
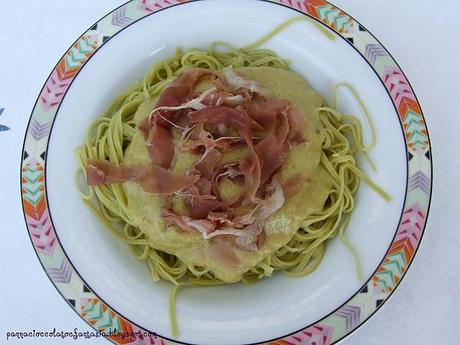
x: 250, y: 237
x: 272, y: 154
x: 160, y: 146
x: 208, y: 161
x: 180, y: 90
x: 250, y: 167
x: 231, y: 117
x: 203, y: 226
x: 266, y: 114
x: 187, y: 224
x: 198, y: 139
x: 200, y: 208
x: 153, y: 179
x: 157, y: 128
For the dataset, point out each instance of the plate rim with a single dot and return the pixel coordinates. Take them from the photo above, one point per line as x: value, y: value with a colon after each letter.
x: 307, y: 8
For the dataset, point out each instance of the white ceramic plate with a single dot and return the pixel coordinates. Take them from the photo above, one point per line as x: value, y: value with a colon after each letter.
x: 104, y: 269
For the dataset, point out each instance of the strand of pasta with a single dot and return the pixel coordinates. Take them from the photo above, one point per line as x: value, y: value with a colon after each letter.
x: 284, y: 26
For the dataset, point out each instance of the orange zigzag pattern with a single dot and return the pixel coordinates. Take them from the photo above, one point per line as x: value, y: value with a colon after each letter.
x: 126, y: 327
x: 403, y: 246
x: 312, y: 5
x: 312, y: 9
x: 33, y: 210
x: 408, y: 104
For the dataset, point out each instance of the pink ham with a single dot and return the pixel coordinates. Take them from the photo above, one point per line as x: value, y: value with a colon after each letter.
x: 200, y: 207
x: 272, y: 154
x: 160, y: 146
x: 250, y: 239
x: 203, y: 185
x: 201, y: 200
x: 297, y: 126
x: 153, y: 179
x: 231, y: 117
x: 205, y: 227
x: 180, y: 90
x: 157, y: 128
x: 273, y: 149
x: 265, y: 113
x: 220, y: 219
x: 198, y: 139
x: 238, y: 120
x: 223, y: 253
x: 208, y: 161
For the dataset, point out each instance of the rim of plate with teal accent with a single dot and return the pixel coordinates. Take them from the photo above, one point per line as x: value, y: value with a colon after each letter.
x: 333, y: 327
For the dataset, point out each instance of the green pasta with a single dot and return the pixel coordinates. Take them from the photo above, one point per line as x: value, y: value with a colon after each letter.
x: 110, y: 135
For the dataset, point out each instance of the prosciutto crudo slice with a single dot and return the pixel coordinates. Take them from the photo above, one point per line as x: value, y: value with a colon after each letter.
x: 233, y: 112
x: 152, y: 178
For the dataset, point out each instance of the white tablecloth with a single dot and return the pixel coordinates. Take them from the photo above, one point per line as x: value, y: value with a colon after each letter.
x: 422, y: 36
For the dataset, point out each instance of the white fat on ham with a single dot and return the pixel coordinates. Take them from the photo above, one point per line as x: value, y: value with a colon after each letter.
x: 233, y: 101
x: 267, y: 207
x: 237, y: 82
x: 205, y: 227
x: 195, y: 103
x: 248, y: 236
x: 229, y: 100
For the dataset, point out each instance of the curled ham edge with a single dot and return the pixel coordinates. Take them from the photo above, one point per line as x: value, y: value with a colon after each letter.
x: 224, y: 110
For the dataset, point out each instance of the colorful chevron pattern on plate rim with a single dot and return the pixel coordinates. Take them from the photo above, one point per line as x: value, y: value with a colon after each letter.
x: 331, y: 328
